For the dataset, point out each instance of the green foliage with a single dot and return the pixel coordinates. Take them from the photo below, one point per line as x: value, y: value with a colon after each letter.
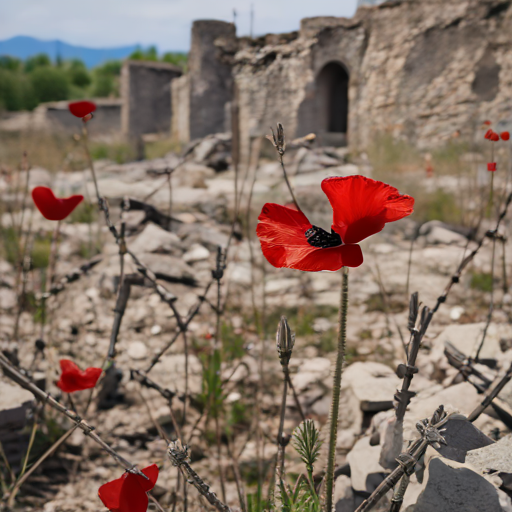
x: 306, y: 440
x: 50, y: 84
x: 41, y: 251
x: 9, y: 247
x: 481, y: 281
x: 106, y: 79
x: 37, y: 61
x: 212, y: 394
x: 232, y: 343
x: 10, y: 63
x: 438, y: 205
x: 118, y: 152
x: 176, y: 58
x: 150, y: 53
x: 78, y: 74
x: 16, y: 92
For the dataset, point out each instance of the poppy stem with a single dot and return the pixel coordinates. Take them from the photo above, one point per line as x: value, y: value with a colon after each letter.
x: 89, y: 160
x: 285, y: 174
x: 336, y: 391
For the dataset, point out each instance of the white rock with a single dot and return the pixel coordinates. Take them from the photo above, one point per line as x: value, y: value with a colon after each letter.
x: 363, y: 460
x: 156, y: 330
x: 153, y: 238
x: 7, y: 298
x: 456, y: 313
x: 137, y: 350
x: 197, y: 252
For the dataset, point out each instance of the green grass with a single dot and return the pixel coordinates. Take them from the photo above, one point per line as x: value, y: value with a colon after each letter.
x: 481, y: 281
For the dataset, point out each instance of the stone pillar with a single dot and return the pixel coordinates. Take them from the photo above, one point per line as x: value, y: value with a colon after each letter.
x: 210, y: 75
x: 146, y: 93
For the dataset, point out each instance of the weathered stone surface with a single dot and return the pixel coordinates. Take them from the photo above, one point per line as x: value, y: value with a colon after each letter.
x: 461, y: 436
x: 451, y: 489
x: 364, y: 461
x: 496, y: 457
x: 155, y: 239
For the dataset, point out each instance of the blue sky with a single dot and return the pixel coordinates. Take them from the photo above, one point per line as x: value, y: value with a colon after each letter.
x: 165, y: 23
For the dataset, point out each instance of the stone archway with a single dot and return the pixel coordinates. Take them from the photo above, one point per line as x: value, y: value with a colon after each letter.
x: 331, y: 86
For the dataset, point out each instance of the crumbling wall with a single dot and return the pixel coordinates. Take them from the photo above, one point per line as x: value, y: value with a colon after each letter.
x: 426, y: 71
x: 146, y: 93
x: 210, y: 74
x: 107, y: 117
x: 180, y: 120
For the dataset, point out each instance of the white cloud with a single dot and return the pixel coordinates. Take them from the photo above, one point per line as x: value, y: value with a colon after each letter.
x: 166, y: 23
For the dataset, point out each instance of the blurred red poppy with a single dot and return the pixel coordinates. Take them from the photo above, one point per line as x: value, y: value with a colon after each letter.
x: 495, y: 137
x: 491, y: 166
x: 73, y: 379
x: 82, y: 108
x: 361, y: 207
x: 505, y: 135
x: 54, y: 208
x: 488, y: 134
x: 128, y: 493
x: 487, y: 123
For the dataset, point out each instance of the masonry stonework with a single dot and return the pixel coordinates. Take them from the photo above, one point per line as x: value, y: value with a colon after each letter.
x: 146, y: 93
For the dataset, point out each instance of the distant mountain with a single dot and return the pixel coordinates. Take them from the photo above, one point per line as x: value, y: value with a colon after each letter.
x: 24, y: 46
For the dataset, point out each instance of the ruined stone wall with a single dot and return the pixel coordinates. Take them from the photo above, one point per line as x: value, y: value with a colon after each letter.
x: 146, y: 93
x: 210, y: 74
x: 180, y: 119
x: 107, y: 117
x: 426, y: 71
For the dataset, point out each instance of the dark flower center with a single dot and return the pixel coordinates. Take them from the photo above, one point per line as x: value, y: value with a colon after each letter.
x: 318, y: 237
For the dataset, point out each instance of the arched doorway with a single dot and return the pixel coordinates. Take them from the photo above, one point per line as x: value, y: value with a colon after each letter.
x: 332, y: 104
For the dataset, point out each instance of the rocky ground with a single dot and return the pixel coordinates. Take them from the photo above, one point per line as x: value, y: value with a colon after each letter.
x: 182, y: 253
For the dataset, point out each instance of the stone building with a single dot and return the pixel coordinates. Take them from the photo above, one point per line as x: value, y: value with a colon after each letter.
x: 423, y: 70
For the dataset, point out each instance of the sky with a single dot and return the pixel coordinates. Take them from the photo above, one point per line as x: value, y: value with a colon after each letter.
x: 164, y: 23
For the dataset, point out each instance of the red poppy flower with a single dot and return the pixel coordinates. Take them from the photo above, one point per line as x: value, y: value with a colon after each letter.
x: 491, y: 166
x: 73, y: 379
x: 488, y: 134
x: 128, y: 493
x: 361, y: 207
x: 54, y: 208
x: 487, y: 123
x: 505, y: 135
x: 495, y: 137
x: 82, y: 108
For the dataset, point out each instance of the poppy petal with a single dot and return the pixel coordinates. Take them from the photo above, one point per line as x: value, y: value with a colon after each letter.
x: 362, y: 206
x: 505, y: 135
x: 73, y: 379
x: 284, y: 244
x: 51, y: 207
x: 110, y: 493
x: 133, y: 494
x: 152, y: 473
x: 81, y: 108
x: 331, y: 259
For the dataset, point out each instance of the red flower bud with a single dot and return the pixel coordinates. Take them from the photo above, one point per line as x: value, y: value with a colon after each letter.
x: 487, y: 123
x: 505, y: 135
x: 488, y: 134
x: 491, y: 166
x: 82, y: 108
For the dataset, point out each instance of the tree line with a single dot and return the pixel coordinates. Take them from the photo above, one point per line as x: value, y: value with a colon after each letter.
x: 25, y: 84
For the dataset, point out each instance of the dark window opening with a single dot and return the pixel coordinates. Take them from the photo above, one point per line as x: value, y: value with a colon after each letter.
x: 332, y: 94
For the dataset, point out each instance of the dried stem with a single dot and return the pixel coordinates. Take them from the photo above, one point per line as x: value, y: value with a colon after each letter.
x: 50, y: 451
x: 336, y: 391
x: 14, y: 374
x: 179, y: 458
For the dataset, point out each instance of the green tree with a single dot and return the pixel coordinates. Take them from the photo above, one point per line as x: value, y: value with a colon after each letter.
x: 150, y: 53
x: 10, y: 63
x: 50, y: 84
x: 177, y: 58
x: 106, y: 79
x: 37, y: 61
x: 78, y: 74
